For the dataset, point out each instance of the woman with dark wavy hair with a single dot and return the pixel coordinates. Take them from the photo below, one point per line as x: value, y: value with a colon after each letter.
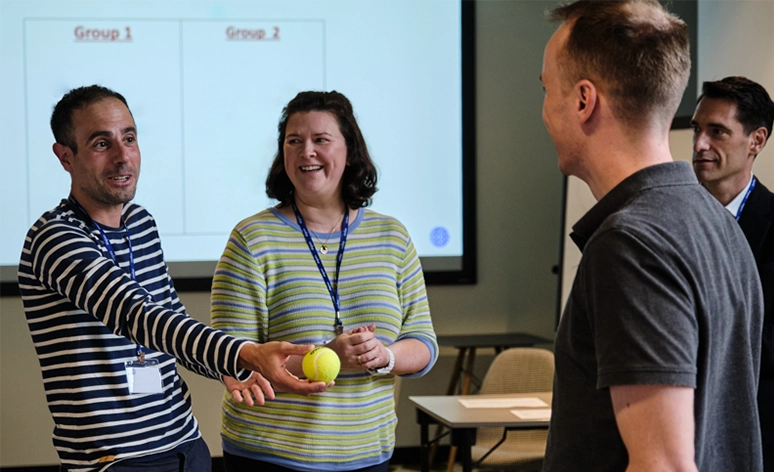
x: 320, y: 268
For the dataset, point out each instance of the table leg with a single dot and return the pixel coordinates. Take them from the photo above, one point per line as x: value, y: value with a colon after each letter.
x: 467, y: 442
x: 423, y: 448
x: 450, y: 390
x: 467, y: 377
x: 463, y: 440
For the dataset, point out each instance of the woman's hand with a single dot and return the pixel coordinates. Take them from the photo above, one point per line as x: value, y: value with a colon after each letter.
x: 358, y: 349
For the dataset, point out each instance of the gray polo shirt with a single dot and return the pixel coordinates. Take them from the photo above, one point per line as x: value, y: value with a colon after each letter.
x: 666, y: 292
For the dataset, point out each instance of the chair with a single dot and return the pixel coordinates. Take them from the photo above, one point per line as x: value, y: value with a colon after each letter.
x: 515, y: 370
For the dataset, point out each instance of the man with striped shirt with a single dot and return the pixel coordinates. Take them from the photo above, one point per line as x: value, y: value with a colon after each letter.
x: 106, y: 322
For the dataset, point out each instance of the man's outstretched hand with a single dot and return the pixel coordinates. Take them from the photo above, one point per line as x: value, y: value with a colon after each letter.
x: 269, y: 360
x: 253, y: 391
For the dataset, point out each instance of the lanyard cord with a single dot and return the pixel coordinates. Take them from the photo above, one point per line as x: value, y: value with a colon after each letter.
x: 333, y: 289
x: 112, y: 253
x: 744, y: 200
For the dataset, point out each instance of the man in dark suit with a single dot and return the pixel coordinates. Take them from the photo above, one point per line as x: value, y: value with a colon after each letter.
x: 731, y: 125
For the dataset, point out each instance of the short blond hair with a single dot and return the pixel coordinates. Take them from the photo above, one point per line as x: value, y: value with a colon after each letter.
x: 633, y: 50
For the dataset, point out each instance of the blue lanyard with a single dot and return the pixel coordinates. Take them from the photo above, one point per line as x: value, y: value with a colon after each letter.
x: 744, y: 200
x: 112, y: 252
x: 113, y: 256
x: 333, y: 289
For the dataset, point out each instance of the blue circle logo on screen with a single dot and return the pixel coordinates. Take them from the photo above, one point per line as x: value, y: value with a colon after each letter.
x: 439, y: 236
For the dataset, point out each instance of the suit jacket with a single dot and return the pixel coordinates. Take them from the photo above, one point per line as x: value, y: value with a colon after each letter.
x: 757, y: 223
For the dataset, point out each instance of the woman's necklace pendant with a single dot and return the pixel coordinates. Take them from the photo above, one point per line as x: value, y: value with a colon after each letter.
x: 323, y: 249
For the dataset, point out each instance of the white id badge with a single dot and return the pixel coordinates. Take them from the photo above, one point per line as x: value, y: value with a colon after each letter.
x: 144, y: 377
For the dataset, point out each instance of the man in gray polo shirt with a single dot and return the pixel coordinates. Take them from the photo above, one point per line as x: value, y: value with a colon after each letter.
x: 658, y: 350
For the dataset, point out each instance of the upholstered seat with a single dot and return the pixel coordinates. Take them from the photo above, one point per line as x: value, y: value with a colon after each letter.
x: 515, y: 370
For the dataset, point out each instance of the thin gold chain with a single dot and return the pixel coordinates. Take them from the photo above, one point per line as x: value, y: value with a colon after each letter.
x: 324, y: 246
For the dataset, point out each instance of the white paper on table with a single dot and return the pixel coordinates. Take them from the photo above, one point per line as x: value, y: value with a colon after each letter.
x: 536, y: 414
x: 524, y: 402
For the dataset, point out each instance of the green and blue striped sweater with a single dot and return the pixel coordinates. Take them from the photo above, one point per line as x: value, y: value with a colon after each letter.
x: 267, y: 287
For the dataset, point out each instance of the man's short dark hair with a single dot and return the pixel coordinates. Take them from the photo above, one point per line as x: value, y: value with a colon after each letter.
x: 359, y: 178
x: 754, y: 108
x: 634, y: 50
x: 77, y: 99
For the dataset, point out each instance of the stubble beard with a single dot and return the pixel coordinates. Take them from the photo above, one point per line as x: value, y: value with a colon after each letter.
x: 110, y: 197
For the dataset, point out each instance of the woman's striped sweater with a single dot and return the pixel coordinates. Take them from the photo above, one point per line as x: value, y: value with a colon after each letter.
x: 267, y: 287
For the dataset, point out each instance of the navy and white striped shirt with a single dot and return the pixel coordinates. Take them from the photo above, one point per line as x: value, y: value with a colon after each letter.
x: 86, y: 316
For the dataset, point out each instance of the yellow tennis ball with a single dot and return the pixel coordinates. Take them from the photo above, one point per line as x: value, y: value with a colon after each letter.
x: 321, y: 364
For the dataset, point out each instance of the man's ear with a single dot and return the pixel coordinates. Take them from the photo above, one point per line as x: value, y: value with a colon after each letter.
x: 758, y: 140
x: 65, y: 156
x: 585, y: 100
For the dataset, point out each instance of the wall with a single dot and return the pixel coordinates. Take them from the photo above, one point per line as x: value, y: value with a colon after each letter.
x: 736, y: 38
x: 519, y: 204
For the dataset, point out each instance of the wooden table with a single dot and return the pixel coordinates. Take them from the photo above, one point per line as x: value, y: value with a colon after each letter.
x: 462, y: 422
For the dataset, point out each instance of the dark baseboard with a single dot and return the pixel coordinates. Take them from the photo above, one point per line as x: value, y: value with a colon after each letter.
x: 409, y: 455
x: 402, y: 455
x: 408, y: 458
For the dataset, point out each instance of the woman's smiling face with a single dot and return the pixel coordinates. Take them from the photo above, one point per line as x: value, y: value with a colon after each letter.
x: 315, y: 154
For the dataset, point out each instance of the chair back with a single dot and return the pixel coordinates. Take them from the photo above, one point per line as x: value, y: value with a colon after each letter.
x: 520, y: 370
x: 515, y: 370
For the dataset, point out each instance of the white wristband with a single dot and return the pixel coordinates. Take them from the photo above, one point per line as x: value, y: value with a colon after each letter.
x: 386, y: 369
